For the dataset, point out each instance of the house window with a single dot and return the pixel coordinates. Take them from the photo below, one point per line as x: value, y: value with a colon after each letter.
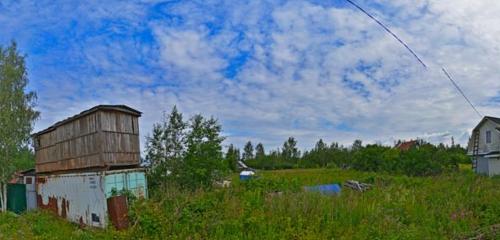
x: 488, y: 136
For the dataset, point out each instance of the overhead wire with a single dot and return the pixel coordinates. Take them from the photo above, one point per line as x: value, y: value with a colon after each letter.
x: 461, y: 92
x: 414, y: 54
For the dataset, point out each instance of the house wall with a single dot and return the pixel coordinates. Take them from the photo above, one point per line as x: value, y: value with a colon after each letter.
x: 494, y: 166
x: 495, y: 137
x: 482, y: 165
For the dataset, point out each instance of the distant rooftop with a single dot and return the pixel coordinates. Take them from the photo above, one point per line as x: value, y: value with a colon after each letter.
x: 119, y: 108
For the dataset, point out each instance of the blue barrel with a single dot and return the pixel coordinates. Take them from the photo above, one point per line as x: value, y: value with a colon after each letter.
x: 246, y: 175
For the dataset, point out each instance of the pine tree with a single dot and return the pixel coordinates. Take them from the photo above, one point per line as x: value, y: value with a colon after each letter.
x: 174, y: 135
x: 155, y: 148
x: 290, y: 151
x: 232, y: 157
x: 259, y: 151
x: 248, y: 151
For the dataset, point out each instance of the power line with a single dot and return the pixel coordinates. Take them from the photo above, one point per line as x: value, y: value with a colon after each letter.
x: 461, y: 92
x: 389, y: 31
x: 414, y: 54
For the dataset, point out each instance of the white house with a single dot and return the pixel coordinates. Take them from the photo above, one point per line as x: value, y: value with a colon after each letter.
x: 484, y: 147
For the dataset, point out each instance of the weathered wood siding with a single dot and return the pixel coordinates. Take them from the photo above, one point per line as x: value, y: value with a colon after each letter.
x: 97, y: 140
x: 121, y: 138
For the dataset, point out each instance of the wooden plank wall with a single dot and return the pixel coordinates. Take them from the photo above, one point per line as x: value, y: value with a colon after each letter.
x: 103, y: 138
x: 121, y: 139
x: 69, y: 145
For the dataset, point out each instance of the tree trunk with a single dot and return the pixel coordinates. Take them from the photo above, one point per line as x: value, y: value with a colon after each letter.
x: 3, y: 197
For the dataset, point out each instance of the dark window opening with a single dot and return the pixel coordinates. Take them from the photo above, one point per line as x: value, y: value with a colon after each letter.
x: 488, y: 136
x: 95, y: 218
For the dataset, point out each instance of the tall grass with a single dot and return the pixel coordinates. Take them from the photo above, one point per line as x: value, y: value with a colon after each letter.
x: 275, y: 207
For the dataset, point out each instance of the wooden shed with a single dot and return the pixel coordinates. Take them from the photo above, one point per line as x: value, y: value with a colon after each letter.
x: 104, y: 137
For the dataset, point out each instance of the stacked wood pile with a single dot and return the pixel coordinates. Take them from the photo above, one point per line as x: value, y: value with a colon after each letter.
x: 357, y: 186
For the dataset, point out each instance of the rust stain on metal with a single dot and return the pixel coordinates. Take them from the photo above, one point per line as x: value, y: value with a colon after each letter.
x: 118, y: 212
x: 64, y: 208
x: 51, y: 205
x: 41, y: 180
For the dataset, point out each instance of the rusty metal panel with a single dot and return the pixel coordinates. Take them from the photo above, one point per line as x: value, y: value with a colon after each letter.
x: 78, y: 197
x: 118, y: 212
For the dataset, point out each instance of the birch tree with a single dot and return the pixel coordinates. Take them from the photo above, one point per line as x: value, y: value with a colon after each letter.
x: 17, y: 114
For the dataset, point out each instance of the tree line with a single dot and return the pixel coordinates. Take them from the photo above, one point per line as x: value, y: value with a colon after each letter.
x: 421, y: 159
x: 190, y: 153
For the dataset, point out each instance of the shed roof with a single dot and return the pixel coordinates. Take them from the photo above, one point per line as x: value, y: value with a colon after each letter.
x: 119, y: 108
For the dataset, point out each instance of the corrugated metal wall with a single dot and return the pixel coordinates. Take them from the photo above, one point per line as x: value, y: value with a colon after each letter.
x: 81, y: 197
x: 78, y: 197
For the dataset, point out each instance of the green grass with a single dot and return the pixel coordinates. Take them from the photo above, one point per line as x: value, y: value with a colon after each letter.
x: 444, y: 207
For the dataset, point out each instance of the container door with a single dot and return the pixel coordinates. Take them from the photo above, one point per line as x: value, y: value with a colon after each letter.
x: 136, y: 183
x: 29, y: 181
x: 16, y: 198
x: 114, y: 184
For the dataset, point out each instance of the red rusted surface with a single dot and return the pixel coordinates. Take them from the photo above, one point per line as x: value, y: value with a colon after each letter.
x: 51, y: 205
x: 118, y: 212
x: 64, y: 208
x: 41, y: 180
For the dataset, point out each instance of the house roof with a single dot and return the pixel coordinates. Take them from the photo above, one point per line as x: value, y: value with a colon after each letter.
x: 405, y: 146
x: 119, y: 108
x: 493, y: 119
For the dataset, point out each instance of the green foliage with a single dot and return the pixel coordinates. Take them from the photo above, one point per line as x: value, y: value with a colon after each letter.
x: 24, y: 159
x: 248, y: 151
x: 456, y: 205
x: 232, y: 158
x: 131, y: 198
x: 203, y: 162
x: 17, y: 114
x: 290, y: 152
x: 186, y: 153
x: 421, y: 160
x: 165, y: 149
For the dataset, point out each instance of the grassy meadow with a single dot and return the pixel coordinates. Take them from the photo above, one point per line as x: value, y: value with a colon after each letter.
x: 450, y: 206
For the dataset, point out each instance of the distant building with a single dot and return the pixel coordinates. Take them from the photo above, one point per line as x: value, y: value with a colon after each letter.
x: 405, y: 146
x: 484, y: 147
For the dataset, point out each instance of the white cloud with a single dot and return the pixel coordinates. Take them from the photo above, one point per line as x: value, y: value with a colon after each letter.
x: 300, y: 78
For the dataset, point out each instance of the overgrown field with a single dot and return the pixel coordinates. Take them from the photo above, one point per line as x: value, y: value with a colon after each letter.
x: 452, y: 206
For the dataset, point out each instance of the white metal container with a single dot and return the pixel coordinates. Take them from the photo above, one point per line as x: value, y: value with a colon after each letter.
x: 81, y: 197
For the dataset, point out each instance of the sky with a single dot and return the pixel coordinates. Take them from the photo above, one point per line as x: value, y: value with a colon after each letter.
x: 267, y: 70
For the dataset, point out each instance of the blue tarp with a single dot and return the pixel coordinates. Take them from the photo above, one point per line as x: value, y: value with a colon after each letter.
x: 329, y: 189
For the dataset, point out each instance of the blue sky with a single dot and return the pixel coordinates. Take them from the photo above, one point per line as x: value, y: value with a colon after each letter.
x: 266, y: 69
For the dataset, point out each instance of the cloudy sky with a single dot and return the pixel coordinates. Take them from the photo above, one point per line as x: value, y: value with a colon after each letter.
x: 266, y: 69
